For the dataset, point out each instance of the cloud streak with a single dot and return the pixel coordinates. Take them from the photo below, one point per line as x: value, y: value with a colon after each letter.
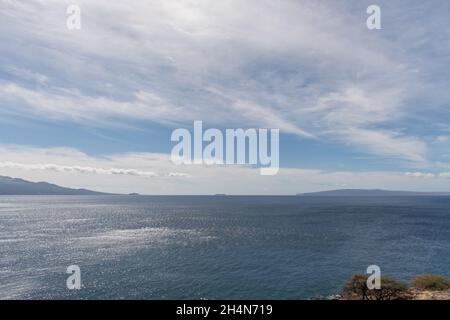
x: 311, y: 69
x: 80, y: 169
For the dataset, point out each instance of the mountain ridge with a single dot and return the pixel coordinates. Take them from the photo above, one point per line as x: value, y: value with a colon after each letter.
x: 369, y: 193
x: 17, y: 186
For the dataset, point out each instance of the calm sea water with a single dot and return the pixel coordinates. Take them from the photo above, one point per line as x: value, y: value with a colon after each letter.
x: 214, y: 247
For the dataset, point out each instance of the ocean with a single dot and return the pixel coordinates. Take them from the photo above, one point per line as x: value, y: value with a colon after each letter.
x: 214, y: 247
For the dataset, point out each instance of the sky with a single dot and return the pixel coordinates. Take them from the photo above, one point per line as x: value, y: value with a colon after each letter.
x: 356, y: 108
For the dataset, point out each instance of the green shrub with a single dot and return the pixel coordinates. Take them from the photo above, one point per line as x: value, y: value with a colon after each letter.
x: 390, y: 289
x: 430, y: 282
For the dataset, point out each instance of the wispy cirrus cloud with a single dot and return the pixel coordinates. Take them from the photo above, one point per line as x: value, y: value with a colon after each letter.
x: 71, y: 104
x: 311, y: 69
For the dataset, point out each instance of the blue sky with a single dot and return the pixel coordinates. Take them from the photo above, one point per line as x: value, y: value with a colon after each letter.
x: 356, y: 108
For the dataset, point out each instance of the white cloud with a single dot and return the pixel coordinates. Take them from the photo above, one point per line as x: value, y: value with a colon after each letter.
x: 309, y: 68
x: 150, y: 173
x: 27, y: 74
x: 442, y: 139
x: 421, y: 175
x: 80, y: 169
x: 445, y: 175
x: 61, y: 103
x: 386, y: 143
x: 178, y: 174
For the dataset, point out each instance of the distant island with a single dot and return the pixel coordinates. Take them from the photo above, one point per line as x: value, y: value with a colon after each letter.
x: 369, y: 193
x: 15, y: 186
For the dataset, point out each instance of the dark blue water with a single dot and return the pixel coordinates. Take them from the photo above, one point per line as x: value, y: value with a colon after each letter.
x: 214, y: 247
